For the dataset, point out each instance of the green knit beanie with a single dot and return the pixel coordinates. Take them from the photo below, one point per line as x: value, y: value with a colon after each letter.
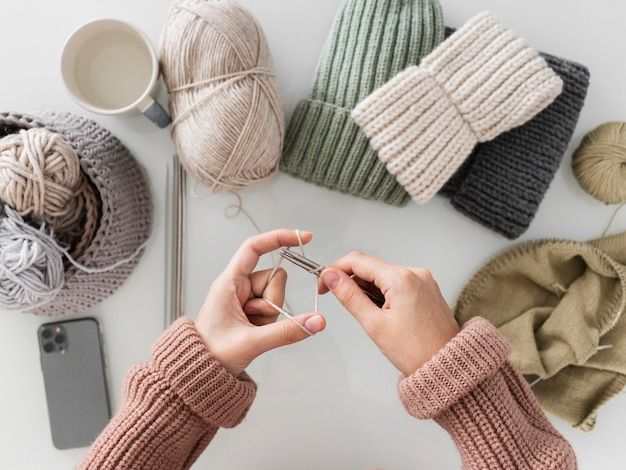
x: 370, y: 42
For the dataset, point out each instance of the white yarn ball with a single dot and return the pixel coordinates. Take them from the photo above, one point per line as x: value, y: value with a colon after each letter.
x: 31, y: 264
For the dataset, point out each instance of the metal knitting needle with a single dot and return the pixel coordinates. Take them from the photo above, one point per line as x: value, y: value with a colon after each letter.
x: 315, y: 268
x: 177, y: 189
x: 301, y: 261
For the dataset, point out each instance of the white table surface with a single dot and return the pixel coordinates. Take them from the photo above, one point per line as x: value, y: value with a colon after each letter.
x: 329, y: 402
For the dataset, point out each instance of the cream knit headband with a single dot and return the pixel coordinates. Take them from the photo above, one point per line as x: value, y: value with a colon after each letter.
x: 479, y: 83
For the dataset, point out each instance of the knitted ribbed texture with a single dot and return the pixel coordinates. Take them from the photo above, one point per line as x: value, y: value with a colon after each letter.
x: 470, y: 389
x: 503, y: 182
x: 464, y: 363
x: 480, y: 82
x: 126, y: 214
x: 370, y: 42
x: 558, y: 302
x: 201, y: 382
x: 172, y: 407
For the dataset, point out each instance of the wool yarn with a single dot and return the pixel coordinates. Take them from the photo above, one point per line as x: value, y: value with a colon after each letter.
x: 80, y: 238
x: 503, y: 182
x: 370, y: 42
x: 40, y: 177
x: 599, y: 163
x: 479, y: 83
x: 31, y: 266
x: 228, y: 122
x: 124, y: 216
x: 32, y: 263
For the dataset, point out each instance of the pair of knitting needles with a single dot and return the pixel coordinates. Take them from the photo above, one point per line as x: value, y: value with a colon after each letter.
x: 316, y: 269
x: 177, y: 189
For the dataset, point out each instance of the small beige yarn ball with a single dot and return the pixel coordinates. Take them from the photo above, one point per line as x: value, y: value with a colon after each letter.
x: 599, y: 163
x: 40, y: 177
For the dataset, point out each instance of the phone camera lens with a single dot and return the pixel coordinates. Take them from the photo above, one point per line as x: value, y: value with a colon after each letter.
x: 59, y: 338
x: 48, y: 347
x: 46, y: 333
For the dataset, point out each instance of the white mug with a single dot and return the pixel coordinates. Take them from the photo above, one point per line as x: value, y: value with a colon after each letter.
x: 110, y: 67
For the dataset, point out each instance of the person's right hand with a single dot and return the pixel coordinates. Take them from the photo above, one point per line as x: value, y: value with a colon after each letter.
x: 415, y: 322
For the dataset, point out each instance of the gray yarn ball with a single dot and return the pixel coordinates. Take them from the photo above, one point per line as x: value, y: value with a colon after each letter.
x: 31, y: 264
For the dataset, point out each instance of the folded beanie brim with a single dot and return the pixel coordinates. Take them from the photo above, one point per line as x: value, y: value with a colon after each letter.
x: 504, y: 181
x: 479, y: 83
x: 326, y: 147
x: 369, y: 43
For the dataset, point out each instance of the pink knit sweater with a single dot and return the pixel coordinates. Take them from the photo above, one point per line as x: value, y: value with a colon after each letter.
x: 174, y: 405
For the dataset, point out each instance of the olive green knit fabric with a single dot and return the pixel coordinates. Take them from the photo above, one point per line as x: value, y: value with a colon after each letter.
x: 558, y: 303
x: 370, y: 42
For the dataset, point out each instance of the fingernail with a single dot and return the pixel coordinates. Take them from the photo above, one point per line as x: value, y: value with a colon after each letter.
x: 314, y: 324
x: 330, y: 280
x: 251, y: 310
x: 306, y: 233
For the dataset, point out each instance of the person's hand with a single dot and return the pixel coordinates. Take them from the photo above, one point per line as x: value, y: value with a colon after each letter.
x: 235, y: 322
x: 415, y: 322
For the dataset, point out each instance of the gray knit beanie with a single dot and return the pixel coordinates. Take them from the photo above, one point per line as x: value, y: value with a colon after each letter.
x: 370, y: 42
x: 126, y: 211
x: 503, y: 182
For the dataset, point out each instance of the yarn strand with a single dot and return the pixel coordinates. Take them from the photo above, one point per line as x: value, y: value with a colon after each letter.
x: 31, y: 268
x: 228, y: 76
x: 233, y: 211
x: 288, y: 315
x: 612, y: 219
x: 50, y: 239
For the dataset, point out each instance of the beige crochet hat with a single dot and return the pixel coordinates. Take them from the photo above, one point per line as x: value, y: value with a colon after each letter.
x: 480, y: 82
x: 560, y: 304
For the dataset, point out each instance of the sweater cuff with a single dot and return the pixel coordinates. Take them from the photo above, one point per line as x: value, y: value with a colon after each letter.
x: 203, y: 384
x: 474, y: 355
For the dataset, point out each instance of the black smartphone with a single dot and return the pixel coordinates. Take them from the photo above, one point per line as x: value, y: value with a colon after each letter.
x: 74, y: 376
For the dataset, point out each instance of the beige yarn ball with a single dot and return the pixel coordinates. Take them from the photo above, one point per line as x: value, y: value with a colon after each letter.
x: 228, y: 119
x: 40, y: 177
x: 599, y: 163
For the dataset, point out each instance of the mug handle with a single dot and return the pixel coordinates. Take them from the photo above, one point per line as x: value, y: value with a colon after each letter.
x: 157, y: 114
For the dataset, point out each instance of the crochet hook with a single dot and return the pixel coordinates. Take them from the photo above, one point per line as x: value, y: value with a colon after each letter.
x: 315, y: 268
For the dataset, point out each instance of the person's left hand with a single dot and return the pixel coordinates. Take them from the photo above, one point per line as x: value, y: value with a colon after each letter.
x: 235, y: 322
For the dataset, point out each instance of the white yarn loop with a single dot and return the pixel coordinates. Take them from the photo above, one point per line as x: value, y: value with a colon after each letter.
x: 271, y: 276
x: 288, y: 315
x: 235, y: 210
